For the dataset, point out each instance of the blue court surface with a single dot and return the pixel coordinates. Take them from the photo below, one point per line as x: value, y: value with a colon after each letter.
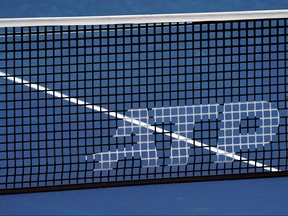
x: 262, y: 196
x: 241, y: 197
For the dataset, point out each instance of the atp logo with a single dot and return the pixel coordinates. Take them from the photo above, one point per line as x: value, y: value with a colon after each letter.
x: 138, y: 123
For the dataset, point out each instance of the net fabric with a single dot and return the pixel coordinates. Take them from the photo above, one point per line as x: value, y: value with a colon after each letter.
x: 131, y: 102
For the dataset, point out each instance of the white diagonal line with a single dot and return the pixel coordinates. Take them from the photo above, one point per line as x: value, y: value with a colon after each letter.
x: 133, y: 121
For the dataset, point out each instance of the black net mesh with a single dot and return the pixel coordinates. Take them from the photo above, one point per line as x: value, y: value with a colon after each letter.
x: 139, y: 103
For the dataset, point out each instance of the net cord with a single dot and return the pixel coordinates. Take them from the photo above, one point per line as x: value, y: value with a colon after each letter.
x: 140, y: 19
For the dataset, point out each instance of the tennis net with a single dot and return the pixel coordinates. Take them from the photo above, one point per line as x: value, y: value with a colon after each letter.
x: 105, y: 101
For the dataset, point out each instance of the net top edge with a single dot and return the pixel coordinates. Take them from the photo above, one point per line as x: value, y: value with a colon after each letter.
x: 144, y: 19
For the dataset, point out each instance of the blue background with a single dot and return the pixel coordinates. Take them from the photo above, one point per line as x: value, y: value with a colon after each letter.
x: 261, y: 196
